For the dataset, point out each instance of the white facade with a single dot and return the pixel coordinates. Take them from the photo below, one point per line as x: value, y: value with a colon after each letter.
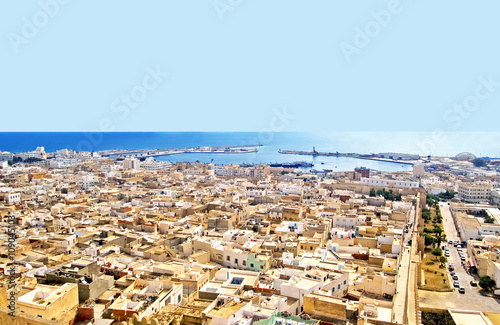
x: 87, y: 181
x: 389, y: 182
x: 235, y: 258
x: 38, y: 153
x: 62, y: 163
x: 345, y: 222
x: 13, y: 198
x: 6, y: 156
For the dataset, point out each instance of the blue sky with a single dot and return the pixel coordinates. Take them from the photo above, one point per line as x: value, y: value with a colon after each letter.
x: 241, y: 65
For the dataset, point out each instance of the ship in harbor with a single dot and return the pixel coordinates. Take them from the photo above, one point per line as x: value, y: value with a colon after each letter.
x: 297, y: 164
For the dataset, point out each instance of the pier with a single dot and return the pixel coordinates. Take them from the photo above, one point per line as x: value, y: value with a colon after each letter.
x: 348, y: 155
x: 139, y: 153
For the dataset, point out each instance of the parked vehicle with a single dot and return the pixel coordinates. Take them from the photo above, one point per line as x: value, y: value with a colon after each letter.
x: 461, y: 290
x: 456, y: 284
x: 455, y: 277
x: 473, y: 283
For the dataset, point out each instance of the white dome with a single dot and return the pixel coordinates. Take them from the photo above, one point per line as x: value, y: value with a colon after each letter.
x: 490, y: 239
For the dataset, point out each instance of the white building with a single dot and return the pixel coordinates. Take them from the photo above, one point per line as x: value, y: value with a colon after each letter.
x: 62, y: 163
x: 297, y: 287
x: 235, y: 258
x: 38, y: 153
x: 87, y: 181
x: 380, y: 182
x: 347, y: 222
x: 13, y: 198
x: 6, y: 156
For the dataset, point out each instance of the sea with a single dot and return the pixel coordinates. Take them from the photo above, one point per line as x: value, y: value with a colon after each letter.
x: 422, y: 143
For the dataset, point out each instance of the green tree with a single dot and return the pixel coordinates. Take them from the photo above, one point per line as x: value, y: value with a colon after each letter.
x: 32, y: 160
x: 487, y: 283
x: 372, y: 192
x: 426, y: 214
x: 437, y: 230
x: 439, y: 239
x: 437, y: 252
x: 428, y: 240
x: 479, y: 162
x: 442, y: 259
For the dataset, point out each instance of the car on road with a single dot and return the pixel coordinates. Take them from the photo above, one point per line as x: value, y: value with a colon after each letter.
x: 447, y: 254
x: 456, y: 284
x: 450, y: 242
x: 451, y: 268
x: 462, y: 258
x: 451, y: 264
x: 461, y: 290
x: 473, y: 283
x: 452, y: 273
x: 455, y: 277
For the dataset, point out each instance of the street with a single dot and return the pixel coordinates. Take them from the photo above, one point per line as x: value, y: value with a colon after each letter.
x: 472, y: 299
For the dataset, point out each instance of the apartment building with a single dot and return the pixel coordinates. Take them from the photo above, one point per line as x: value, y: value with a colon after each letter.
x: 474, y: 192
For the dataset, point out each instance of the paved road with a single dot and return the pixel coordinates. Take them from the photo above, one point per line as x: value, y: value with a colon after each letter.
x: 472, y: 299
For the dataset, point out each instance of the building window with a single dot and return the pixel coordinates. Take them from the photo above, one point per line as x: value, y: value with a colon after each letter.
x: 251, y: 264
x: 236, y: 260
x: 245, y: 263
x: 345, y: 282
x: 262, y: 267
x: 228, y: 258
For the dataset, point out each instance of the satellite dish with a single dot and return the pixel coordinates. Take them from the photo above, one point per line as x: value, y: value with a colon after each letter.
x: 123, y: 296
x: 28, y: 266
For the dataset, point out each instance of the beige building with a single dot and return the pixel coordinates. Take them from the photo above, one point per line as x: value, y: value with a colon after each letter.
x: 49, y: 302
x: 474, y: 192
